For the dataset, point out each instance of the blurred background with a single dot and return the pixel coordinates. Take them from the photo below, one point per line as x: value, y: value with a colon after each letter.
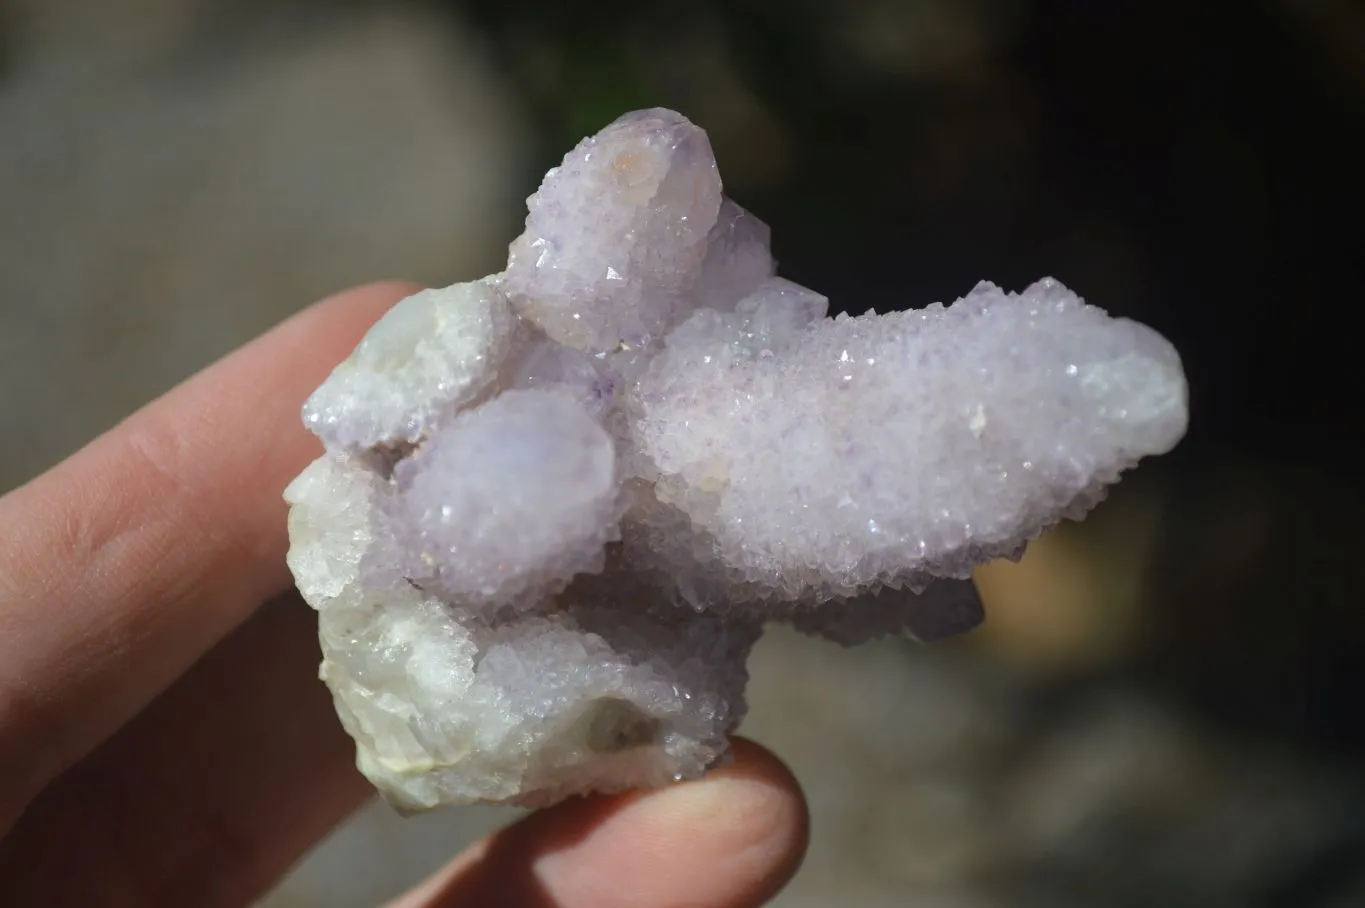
x: 1163, y: 706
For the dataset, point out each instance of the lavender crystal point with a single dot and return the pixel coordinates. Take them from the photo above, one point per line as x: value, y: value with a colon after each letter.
x: 617, y: 234
x: 558, y: 504
x: 508, y: 503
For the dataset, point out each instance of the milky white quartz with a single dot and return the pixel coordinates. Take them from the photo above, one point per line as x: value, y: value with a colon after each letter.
x: 429, y: 355
x: 558, y: 504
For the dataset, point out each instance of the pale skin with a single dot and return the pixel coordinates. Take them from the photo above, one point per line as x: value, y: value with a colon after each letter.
x: 164, y: 739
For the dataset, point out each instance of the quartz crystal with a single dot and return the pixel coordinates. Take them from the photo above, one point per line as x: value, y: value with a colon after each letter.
x: 558, y: 504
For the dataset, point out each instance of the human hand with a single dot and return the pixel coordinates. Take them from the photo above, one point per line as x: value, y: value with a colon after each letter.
x: 164, y: 739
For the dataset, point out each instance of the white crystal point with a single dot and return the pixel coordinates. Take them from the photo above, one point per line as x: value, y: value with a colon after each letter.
x: 616, y: 235
x: 430, y: 354
x: 508, y: 503
x: 771, y: 317
x: 558, y: 504
x: 540, y: 363
x: 738, y: 258
x: 777, y: 309
x: 897, y: 447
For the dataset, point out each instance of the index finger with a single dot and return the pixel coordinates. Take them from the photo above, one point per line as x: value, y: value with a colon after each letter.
x: 124, y: 564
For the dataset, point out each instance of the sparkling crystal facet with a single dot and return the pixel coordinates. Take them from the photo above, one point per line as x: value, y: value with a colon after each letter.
x: 558, y: 504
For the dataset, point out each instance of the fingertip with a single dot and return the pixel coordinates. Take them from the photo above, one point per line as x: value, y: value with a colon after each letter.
x: 730, y: 840
x: 778, y: 825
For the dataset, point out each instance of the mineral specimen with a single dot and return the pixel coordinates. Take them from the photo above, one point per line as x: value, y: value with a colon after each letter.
x: 558, y: 504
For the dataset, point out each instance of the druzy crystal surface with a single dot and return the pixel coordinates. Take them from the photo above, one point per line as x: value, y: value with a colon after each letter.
x: 558, y: 504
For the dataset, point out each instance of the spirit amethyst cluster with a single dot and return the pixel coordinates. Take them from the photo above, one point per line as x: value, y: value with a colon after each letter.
x: 558, y: 504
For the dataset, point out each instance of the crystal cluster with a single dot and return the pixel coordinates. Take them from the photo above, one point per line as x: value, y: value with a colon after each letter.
x: 558, y: 504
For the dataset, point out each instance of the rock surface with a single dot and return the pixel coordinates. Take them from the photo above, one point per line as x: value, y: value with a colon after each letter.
x: 559, y: 504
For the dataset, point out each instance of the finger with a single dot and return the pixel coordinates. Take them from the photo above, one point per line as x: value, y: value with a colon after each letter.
x: 124, y: 564
x: 730, y: 840
x: 208, y: 796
